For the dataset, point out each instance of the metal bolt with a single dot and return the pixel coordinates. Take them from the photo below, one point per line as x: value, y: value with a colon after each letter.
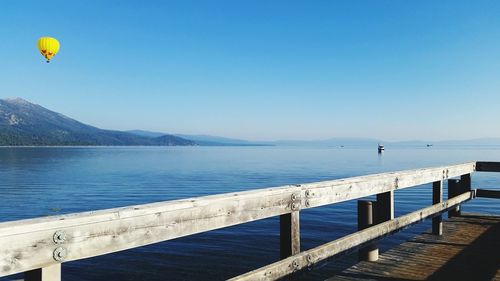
x: 308, y: 203
x: 309, y: 258
x: 295, y: 206
x: 59, y: 237
x: 294, y: 197
x: 308, y: 193
x: 60, y: 254
x: 295, y: 264
x: 396, y: 182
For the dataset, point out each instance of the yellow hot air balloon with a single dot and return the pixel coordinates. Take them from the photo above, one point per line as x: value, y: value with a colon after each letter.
x: 48, y: 47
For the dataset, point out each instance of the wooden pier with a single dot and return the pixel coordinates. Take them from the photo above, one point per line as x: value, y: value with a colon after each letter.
x: 39, y: 246
x: 469, y: 249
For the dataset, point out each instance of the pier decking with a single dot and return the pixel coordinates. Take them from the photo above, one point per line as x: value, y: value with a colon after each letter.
x: 39, y: 246
x: 469, y: 249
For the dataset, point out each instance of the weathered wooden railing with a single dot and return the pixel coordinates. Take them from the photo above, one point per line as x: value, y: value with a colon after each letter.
x: 39, y: 246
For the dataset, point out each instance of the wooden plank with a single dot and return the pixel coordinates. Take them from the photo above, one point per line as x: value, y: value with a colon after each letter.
x: 49, y: 273
x: 482, y: 166
x: 468, y: 250
x: 329, y: 192
x: 289, y: 234
x: 485, y: 193
x: 437, y: 197
x: 287, y: 266
x: 28, y: 244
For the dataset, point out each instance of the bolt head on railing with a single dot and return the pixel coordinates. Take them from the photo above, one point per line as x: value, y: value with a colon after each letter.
x: 295, y: 264
x: 309, y: 193
x: 59, y: 237
x: 60, y: 254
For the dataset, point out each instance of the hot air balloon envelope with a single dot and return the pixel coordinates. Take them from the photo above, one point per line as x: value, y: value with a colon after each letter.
x: 48, y: 47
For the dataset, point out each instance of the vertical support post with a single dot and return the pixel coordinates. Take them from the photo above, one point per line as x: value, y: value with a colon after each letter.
x: 453, y: 190
x: 49, y: 273
x: 289, y: 234
x: 385, y: 206
x: 365, y: 220
x: 465, y: 183
x: 437, y: 197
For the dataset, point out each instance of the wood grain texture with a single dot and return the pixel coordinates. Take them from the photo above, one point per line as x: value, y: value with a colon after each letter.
x: 307, y: 258
x: 289, y: 234
x: 467, y: 250
x: 29, y: 244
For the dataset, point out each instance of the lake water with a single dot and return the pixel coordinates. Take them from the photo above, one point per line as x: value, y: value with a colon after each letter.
x: 49, y: 181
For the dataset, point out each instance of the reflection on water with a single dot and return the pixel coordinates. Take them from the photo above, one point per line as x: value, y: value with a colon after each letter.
x: 47, y: 181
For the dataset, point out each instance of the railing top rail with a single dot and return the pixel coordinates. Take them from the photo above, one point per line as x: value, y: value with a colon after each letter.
x: 402, y: 179
x: 29, y: 244
x: 287, y: 266
x: 485, y: 166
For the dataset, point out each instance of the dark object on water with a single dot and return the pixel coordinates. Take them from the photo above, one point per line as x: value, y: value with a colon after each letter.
x: 380, y: 148
x: 429, y: 145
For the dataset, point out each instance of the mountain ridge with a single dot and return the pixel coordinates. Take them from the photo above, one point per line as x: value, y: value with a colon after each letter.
x: 336, y: 141
x: 23, y: 123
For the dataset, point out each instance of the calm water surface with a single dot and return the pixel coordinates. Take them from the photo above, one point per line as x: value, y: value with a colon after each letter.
x: 49, y: 181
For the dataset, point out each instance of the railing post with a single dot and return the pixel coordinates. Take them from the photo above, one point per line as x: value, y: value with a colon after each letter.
x: 49, y: 273
x: 385, y: 206
x: 365, y: 220
x: 453, y: 190
x: 465, y: 183
x: 437, y: 197
x: 289, y: 234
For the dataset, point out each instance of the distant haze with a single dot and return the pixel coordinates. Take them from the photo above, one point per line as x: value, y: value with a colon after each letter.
x: 26, y: 124
x: 262, y: 70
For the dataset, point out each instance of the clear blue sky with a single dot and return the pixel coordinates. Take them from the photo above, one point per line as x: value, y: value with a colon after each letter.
x: 394, y: 70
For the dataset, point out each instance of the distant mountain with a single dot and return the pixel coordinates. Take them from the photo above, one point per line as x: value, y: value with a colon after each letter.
x: 25, y: 123
x: 147, y: 134
x: 205, y: 140
x: 467, y: 142
x: 368, y: 142
x: 221, y: 141
x: 170, y: 140
x: 356, y: 142
x: 478, y: 141
x: 209, y: 140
